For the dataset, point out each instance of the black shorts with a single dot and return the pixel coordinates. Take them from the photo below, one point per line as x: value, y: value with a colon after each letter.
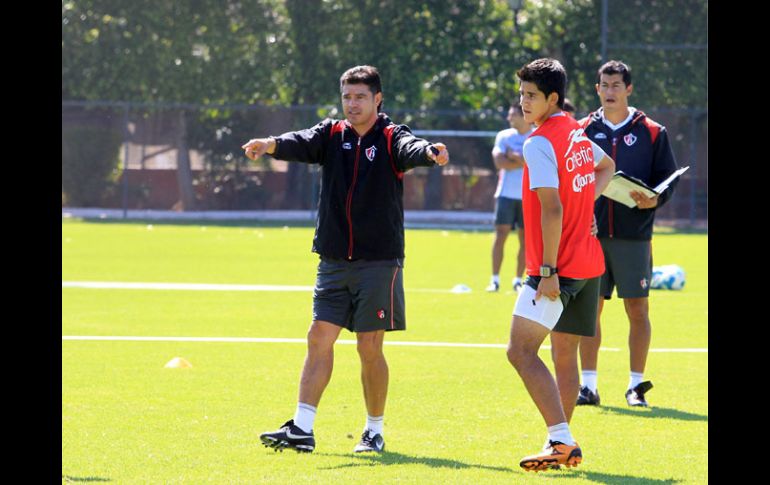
x: 361, y: 296
x: 580, y: 298
x: 629, y: 267
x: 508, y: 211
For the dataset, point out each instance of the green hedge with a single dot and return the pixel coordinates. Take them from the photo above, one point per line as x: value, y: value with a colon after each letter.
x: 89, y: 165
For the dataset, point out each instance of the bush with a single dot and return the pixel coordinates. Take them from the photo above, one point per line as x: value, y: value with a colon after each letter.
x: 89, y: 164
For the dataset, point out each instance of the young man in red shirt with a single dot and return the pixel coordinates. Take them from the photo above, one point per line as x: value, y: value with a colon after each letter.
x: 564, y: 173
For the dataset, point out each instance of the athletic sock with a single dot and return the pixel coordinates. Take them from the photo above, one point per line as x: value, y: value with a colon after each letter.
x: 636, y: 378
x: 496, y: 279
x: 589, y: 378
x: 374, y: 424
x: 304, y: 417
x: 560, y: 432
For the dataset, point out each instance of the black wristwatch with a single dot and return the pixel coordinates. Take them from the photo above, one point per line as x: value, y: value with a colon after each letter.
x: 547, y: 271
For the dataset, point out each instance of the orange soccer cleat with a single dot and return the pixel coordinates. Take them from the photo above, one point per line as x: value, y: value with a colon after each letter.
x: 554, y: 454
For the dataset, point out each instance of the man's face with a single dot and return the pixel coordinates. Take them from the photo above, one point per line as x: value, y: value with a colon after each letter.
x: 613, y: 92
x: 512, y: 117
x: 359, y: 103
x: 533, y: 102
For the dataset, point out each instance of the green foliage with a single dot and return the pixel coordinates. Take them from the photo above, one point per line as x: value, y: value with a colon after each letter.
x: 432, y: 54
x: 89, y: 164
x: 163, y: 50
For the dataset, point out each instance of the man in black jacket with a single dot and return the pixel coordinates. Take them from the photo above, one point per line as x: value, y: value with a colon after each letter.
x: 640, y: 148
x: 360, y: 239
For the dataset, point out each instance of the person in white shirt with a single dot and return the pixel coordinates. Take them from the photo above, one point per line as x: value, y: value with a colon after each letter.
x: 508, y: 159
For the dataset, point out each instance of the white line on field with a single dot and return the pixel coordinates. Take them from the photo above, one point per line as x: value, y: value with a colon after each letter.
x: 122, y: 285
x: 303, y: 341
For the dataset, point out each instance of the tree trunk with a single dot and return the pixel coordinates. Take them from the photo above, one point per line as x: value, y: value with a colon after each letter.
x: 183, y: 170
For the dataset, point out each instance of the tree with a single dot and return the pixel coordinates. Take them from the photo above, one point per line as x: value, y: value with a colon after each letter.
x: 170, y: 53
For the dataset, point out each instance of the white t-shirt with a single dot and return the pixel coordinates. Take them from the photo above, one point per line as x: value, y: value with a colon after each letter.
x: 509, y: 181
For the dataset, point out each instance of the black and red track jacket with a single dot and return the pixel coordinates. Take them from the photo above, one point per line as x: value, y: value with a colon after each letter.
x: 640, y: 148
x: 361, y: 205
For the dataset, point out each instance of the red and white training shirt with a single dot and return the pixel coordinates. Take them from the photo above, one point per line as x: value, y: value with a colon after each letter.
x: 559, y: 155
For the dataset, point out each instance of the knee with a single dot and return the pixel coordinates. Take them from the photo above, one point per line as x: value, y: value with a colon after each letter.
x: 517, y: 355
x: 318, y: 340
x: 638, y: 312
x: 369, y: 349
x: 565, y: 359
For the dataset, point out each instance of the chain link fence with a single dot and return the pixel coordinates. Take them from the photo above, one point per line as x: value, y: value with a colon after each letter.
x: 188, y: 157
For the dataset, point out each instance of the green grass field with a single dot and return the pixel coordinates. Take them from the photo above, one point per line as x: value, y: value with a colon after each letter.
x: 454, y: 414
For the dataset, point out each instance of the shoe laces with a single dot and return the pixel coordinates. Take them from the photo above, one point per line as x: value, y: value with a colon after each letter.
x: 367, y: 438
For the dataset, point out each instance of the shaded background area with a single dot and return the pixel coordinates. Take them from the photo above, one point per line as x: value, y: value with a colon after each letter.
x: 158, y: 97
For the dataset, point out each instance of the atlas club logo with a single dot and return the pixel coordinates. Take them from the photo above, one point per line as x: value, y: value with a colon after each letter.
x: 381, y: 314
x: 370, y: 153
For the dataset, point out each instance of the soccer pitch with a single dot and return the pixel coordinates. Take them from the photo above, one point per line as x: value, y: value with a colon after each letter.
x: 455, y: 414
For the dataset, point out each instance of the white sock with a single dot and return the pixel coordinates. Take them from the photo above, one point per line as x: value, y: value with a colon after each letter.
x: 496, y: 279
x: 636, y: 378
x: 304, y: 417
x: 374, y: 424
x: 560, y: 432
x: 589, y: 378
x: 517, y: 281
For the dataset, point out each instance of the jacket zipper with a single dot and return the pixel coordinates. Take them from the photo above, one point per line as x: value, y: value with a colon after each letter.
x: 350, y: 200
x: 609, y: 202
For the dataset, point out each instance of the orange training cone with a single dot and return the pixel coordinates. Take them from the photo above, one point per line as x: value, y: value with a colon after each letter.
x: 178, y: 363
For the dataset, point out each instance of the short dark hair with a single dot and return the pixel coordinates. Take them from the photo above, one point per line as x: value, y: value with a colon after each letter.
x: 368, y: 75
x: 568, y: 106
x: 614, y: 67
x: 362, y: 75
x: 548, y: 75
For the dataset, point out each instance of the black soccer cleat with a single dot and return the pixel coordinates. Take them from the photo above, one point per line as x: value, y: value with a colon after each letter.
x: 370, y: 442
x: 289, y: 436
x: 635, y: 396
x: 587, y: 397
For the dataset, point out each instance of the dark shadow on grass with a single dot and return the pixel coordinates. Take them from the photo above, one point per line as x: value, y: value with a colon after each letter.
x: 68, y: 478
x: 394, y: 458
x: 608, y: 478
x: 656, y: 412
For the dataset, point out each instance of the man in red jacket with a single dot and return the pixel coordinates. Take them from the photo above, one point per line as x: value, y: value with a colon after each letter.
x: 564, y: 173
x: 360, y: 239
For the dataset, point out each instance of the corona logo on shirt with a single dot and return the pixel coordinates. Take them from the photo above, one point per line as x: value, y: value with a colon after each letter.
x: 581, y: 181
x: 370, y: 153
x: 347, y: 146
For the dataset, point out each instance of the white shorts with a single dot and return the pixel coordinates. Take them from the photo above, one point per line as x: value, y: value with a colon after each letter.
x: 543, y: 311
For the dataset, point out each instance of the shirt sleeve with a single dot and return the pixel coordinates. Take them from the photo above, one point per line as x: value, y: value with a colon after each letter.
x: 598, y: 153
x: 410, y: 151
x: 541, y: 163
x: 499, y: 142
x: 304, y: 145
